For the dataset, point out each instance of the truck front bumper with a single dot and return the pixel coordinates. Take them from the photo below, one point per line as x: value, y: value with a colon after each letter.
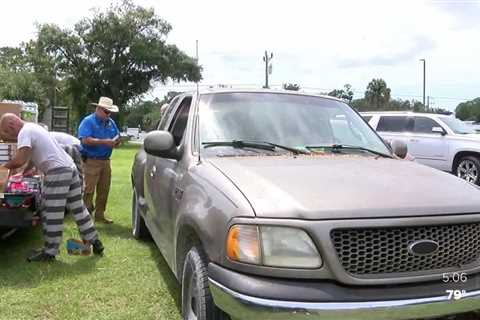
x: 248, y: 301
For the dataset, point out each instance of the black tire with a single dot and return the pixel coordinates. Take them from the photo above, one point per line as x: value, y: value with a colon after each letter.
x: 139, y: 229
x: 197, y: 301
x: 468, y: 168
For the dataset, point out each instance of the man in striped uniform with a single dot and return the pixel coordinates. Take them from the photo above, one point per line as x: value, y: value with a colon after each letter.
x: 72, y: 147
x: 61, y: 188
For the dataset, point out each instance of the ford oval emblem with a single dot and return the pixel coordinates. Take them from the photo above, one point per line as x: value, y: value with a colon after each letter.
x: 423, y: 247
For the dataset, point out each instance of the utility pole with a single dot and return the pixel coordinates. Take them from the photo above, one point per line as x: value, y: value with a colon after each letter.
x: 424, y: 63
x: 267, y: 59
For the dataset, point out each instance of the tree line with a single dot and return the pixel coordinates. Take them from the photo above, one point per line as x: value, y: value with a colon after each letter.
x: 377, y: 97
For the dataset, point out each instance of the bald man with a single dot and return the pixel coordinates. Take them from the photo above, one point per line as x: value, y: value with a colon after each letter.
x: 61, y: 188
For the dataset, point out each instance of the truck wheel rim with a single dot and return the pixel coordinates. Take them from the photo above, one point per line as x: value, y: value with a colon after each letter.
x: 467, y: 170
x: 192, y: 298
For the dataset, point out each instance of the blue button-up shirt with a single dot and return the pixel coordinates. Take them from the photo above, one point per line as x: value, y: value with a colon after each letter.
x: 95, y: 127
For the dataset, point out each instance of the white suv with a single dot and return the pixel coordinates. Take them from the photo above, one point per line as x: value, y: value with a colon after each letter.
x: 439, y: 141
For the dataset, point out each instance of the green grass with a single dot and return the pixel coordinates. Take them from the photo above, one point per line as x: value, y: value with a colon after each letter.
x: 132, y: 281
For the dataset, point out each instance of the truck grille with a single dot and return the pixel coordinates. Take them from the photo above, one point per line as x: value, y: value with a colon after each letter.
x: 385, y: 250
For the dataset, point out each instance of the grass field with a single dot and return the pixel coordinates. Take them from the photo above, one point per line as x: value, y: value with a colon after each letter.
x: 131, y: 281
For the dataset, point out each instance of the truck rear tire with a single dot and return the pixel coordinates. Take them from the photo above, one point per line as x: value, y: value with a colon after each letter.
x: 468, y: 169
x: 139, y: 229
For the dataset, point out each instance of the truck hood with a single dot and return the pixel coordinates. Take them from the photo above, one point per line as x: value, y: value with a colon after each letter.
x: 346, y: 186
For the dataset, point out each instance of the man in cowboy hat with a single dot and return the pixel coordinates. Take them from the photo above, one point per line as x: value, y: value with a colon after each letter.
x: 99, y: 135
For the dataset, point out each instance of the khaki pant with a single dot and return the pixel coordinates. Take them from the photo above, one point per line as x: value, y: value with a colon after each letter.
x: 97, y: 179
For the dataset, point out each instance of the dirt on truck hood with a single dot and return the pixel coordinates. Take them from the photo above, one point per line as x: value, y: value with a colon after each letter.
x: 346, y: 186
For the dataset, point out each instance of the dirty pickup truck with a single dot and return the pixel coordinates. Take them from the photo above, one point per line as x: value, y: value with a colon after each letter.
x: 280, y: 205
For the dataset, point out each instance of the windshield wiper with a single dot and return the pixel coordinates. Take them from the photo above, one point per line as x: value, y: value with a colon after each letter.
x: 339, y: 147
x: 240, y: 144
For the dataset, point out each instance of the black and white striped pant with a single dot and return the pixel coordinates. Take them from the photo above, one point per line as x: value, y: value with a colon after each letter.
x: 62, y: 189
x: 74, y: 152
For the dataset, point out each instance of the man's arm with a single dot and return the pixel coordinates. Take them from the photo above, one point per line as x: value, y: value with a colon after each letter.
x: 85, y: 134
x: 21, y: 157
x: 117, y: 140
x: 89, y: 141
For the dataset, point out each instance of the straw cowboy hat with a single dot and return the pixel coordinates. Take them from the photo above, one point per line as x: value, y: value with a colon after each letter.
x: 106, y: 103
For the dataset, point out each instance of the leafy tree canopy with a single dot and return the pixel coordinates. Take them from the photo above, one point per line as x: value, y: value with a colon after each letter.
x: 377, y: 93
x: 117, y: 53
x: 469, y: 110
x: 346, y: 93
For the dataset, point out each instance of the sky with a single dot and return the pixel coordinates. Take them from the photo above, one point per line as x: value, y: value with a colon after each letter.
x: 320, y: 45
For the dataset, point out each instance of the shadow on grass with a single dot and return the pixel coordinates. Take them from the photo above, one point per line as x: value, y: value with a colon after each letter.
x: 114, y: 230
x: 17, y: 272
x: 167, y: 275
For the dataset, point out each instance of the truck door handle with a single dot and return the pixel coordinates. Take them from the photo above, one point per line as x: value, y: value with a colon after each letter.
x: 153, y: 171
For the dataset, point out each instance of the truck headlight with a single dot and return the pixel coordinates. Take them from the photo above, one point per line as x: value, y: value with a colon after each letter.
x: 283, y: 247
x: 243, y: 244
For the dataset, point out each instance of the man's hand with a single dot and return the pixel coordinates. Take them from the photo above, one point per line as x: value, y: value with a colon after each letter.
x: 118, y: 142
x: 89, y: 141
x: 21, y: 157
x: 29, y: 172
x: 110, y: 142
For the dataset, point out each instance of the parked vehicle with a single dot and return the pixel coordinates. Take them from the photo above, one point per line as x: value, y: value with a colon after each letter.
x: 282, y: 205
x: 474, y: 125
x: 440, y: 141
x: 19, y: 196
x: 19, y: 204
x: 133, y: 132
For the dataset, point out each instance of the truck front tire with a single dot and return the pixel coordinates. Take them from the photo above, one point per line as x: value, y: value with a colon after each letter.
x: 197, y: 301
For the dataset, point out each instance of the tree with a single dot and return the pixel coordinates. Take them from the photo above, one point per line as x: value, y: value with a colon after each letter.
x: 291, y: 86
x: 17, y: 79
x: 117, y: 53
x: 377, y: 93
x: 399, y: 105
x: 346, y: 93
x: 20, y: 85
x: 146, y: 113
x: 137, y: 112
x: 13, y: 60
x: 469, y: 110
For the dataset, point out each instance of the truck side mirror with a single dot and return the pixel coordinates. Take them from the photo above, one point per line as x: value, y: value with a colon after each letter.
x: 160, y: 143
x: 439, y: 130
x: 399, y: 148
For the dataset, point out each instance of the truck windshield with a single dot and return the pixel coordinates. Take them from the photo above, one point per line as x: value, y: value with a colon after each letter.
x: 290, y: 120
x: 457, y: 126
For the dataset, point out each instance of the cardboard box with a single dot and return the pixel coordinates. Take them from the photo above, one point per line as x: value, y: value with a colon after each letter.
x: 4, y: 174
x: 9, y: 107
